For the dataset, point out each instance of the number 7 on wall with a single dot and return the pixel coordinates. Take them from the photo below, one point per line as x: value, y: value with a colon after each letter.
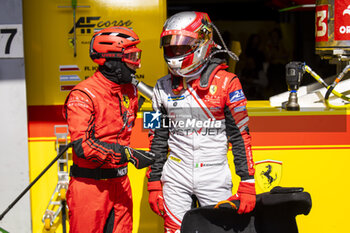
x: 11, y: 41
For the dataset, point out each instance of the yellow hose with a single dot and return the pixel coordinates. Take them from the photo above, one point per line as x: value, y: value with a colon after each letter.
x: 324, y: 84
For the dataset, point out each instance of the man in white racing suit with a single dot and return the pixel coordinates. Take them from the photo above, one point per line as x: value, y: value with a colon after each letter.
x: 203, y: 109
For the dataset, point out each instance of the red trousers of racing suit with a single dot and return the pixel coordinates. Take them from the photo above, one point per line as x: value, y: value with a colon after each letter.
x: 91, y: 201
x: 100, y: 115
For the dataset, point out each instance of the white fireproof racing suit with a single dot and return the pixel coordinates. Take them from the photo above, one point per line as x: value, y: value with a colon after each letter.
x: 197, y: 124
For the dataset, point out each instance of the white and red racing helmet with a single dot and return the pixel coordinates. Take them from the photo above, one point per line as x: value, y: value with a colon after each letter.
x: 187, y: 40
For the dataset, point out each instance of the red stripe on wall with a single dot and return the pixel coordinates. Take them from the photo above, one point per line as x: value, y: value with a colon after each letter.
x: 42, y: 119
x: 67, y: 87
x: 300, y: 130
x: 309, y: 123
x: 265, y: 130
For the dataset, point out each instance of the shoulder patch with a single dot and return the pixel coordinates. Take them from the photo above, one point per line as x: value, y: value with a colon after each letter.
x: 236, y: 96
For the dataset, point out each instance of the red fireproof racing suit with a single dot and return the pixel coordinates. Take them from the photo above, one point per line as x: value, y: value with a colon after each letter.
x: 100, y: 116
x: 201, y: 122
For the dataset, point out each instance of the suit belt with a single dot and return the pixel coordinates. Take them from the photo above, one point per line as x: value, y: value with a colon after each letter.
x: 97, y: 173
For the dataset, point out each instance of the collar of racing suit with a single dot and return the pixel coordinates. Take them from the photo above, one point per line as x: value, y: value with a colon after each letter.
x: 208, y: 73
x: 212, y: 68
x: 112, y: 86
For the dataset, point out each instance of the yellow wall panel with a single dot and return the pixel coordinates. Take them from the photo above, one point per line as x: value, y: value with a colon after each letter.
x: 48, y: 42
x: 41, y: 154
x: 320, y: 172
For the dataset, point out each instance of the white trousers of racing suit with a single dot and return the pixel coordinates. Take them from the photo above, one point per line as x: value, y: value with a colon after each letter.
x: 201, y: 123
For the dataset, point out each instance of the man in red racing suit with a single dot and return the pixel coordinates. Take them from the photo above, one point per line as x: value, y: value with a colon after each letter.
x: 200, y: 115
x: 100, y: 112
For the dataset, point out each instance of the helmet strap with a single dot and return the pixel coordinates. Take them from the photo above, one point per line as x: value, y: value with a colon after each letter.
x: 95, y: 55
x: 176, y: 84
x: 195, y: 73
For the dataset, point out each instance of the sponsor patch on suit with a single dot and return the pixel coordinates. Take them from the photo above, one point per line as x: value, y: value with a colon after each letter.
x: 176, y: 98
x: 236, y: 95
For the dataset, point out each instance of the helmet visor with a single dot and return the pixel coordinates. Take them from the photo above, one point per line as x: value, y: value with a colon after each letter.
x: 177, y: 50
x: 132, y: 55
x: 178, y: 40
x: 178, y: 45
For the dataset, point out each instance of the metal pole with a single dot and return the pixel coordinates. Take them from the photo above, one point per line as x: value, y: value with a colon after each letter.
x: 33, y: 182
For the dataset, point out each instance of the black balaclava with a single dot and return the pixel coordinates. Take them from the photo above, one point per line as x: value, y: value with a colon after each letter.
x: 117, y: 71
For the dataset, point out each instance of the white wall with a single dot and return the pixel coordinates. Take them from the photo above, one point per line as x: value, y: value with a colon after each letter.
x: 14, y: 167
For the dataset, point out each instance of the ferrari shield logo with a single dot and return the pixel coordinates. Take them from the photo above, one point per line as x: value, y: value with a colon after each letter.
x: 126, y: 101
x: 268, y: 174
x: 212, y: 89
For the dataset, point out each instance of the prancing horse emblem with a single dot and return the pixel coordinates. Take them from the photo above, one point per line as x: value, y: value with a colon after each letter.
x: 268, y: 174
x: 126, y: 101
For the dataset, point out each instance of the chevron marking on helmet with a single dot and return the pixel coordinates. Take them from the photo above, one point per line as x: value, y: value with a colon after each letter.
x: 122, y: 35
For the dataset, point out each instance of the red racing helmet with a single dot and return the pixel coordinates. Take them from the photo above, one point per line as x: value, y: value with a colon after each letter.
x: 115, y: 42
x: 187, y: 40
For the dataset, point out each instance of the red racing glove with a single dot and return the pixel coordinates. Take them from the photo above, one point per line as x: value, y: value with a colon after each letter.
x: 155, y: 198
x: 247, y: 197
